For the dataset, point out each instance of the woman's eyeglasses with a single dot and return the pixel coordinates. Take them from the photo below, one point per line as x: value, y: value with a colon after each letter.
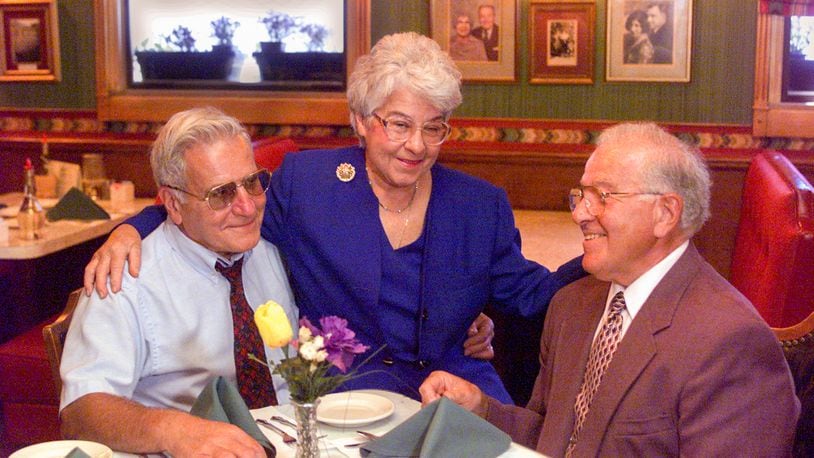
x: 398, y: 130
x: 221, y: 196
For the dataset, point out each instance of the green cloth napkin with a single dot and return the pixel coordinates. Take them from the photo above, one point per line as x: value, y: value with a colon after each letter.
x: 77, y: 453
x: 439, y: 430
x: 76, y: 205
x: 220, y: 401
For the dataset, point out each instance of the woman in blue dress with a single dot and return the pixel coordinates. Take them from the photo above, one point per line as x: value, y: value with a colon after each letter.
x: 407, y: 250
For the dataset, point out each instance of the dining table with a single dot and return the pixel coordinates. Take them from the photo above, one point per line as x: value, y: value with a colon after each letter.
x: 335, y: 438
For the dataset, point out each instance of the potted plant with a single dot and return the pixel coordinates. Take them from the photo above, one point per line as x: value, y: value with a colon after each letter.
x: 177, y: 57
x: 314, y: 65
x: 279, y: 26
x: 223, y: 28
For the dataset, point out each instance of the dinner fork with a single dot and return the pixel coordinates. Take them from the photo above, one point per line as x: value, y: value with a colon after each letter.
x: 287, y: 438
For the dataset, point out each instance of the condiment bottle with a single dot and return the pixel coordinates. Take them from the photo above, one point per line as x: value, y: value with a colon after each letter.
x: 31, y: 216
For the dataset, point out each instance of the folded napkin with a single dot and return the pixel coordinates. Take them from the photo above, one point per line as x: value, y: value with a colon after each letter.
x: 441, y: 429
x: 77, y: 453
x: 76, y: 205
x: 220, y: 401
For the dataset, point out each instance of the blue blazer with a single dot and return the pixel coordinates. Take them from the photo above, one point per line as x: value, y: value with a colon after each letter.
x: 330, y: 235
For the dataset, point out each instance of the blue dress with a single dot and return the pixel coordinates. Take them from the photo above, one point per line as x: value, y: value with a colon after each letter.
x: 331, y: 238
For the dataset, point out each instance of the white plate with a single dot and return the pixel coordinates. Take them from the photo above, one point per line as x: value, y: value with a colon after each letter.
x: 352, y: 408
x: 59, y: 449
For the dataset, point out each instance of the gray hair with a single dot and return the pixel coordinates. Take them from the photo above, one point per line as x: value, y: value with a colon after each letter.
x: 669, y: 165
x: 404, y: 61
x: 185, y: 130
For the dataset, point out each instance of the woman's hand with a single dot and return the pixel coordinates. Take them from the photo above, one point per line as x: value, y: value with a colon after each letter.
x: 479, y: 344
x: 123, y: 244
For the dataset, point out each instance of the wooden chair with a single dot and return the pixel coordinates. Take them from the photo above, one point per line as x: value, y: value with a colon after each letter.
x: 798, y: 346
x: 54, y: 335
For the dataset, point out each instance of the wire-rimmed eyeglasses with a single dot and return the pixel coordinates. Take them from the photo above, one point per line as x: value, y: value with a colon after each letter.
x: 595, y: 199
x: 221, y: 196
x: 399, y: 130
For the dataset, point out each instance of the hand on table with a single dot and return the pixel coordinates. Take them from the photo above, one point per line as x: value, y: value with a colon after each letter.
x: 479, y: 344
x: 123, y: 244
x: 458, y: 390
x: 199, y: 437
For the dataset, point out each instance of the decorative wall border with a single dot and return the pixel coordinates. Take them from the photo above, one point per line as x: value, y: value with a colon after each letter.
x: 476, y: 133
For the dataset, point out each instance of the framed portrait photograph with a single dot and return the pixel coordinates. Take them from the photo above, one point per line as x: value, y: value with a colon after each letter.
x: 649, y: 40
x: 480, y: 35
x: 561, y: 35
x: 29, y: 40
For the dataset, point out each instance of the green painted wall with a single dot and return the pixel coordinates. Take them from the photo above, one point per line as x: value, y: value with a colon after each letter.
x: 720, y: 90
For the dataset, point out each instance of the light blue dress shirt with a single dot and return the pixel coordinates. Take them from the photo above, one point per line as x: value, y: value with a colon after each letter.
x: 169, y: 331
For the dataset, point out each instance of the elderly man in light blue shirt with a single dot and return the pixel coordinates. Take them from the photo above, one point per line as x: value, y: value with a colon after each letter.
x: 135, y: 362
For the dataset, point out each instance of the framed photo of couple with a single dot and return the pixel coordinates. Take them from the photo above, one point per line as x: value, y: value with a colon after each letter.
x: 480, y: 35
x: 29, y: 40
x: 649, y: 40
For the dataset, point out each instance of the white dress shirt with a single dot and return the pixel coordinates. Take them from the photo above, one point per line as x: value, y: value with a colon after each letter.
x: 168, y: 332
x: 637, y: 292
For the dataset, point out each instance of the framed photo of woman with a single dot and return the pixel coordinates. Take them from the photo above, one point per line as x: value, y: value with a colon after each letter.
x: 649, y: 40
x: 29, y: 40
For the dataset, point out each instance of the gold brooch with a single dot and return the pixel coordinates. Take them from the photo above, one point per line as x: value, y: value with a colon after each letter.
x: 345, y: 172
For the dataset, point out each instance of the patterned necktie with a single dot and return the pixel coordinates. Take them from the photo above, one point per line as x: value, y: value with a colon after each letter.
x: 600, y: 357
x: 253, y: 379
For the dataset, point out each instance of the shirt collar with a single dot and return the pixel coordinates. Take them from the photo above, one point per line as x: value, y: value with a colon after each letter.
x: 637, y: 292
x: 196, y: 255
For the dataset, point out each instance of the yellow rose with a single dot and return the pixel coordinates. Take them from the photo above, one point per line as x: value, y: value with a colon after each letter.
x: 273, y: 324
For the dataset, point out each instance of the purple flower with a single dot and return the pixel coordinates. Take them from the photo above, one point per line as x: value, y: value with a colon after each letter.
x: 340, y: 342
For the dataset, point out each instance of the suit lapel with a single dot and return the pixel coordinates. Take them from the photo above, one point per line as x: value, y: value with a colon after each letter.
x: 572, y: 344
x: 637, y: 348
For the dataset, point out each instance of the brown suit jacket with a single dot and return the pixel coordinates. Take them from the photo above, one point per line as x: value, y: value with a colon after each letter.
x: 698, y: 373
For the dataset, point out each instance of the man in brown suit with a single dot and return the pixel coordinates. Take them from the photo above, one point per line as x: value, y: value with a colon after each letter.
x: 654, y: 354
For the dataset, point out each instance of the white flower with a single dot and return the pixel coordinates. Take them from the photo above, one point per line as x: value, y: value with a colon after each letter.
x: 314, y: 349
x: 305, y: 334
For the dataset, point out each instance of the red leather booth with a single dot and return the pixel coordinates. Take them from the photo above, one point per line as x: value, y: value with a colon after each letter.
x: 773, y: 260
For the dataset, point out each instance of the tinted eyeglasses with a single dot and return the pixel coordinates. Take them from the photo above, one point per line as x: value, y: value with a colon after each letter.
x: 221, y: 196
x: 400, y: 130
x: 595, y: 199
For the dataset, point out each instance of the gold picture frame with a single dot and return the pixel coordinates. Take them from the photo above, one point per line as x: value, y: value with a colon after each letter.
x: 496, y: 61
x: 29, y: 41
x: 649, y: 40
x: 561, y: 36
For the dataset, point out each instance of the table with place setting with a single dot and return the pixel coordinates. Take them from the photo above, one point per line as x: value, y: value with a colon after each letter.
x: 342, y: 414
x: 37, y: 275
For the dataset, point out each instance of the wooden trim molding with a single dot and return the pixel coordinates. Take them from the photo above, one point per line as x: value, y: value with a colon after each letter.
x: 115, y: 101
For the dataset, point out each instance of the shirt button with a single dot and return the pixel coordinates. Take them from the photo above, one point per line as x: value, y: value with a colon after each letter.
x: 424, y: 315
x: 423, y: 363
x: 387, y: 361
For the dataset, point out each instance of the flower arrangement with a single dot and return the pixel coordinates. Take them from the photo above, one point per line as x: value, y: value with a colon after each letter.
x: 317, y: 34
x: 181, y: 38
x: 279, y: 25
x: 318, y: 349
x: 223, y: 29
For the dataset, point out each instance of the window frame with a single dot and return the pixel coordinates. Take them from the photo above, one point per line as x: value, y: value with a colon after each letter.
x: 116, y: 101
x: 771, y: 117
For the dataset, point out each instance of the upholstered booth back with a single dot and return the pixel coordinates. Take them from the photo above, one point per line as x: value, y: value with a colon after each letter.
x: 773, y: 260
x: 269, y: 152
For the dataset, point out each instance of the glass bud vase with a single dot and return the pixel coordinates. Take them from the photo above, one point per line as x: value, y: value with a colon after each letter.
x: 307, y: 434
